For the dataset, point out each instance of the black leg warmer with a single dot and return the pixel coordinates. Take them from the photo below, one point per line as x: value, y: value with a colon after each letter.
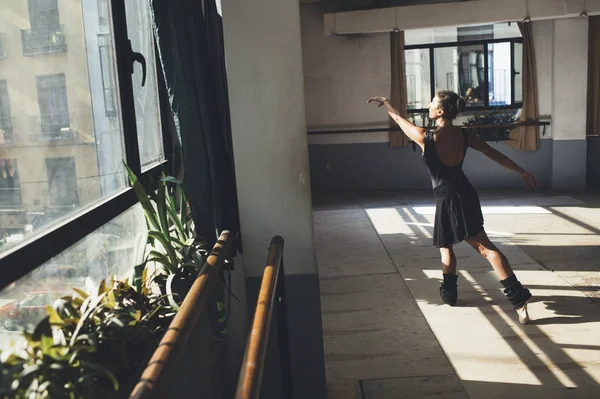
x: 449, y: 289
x: 515, y: 292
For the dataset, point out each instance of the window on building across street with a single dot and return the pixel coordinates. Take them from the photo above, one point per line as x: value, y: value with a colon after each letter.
x: 46, y: 34
x: 483, y: 64
x: 53, y: 121
x: 6, y: 120
x: 10, y: 187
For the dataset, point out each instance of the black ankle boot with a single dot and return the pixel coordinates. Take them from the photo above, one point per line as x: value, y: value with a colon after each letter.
x: 449, y: 289
x: 515, y: 292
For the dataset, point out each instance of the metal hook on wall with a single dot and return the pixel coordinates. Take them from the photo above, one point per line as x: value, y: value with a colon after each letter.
x: 584, y: 12
x: 396, y: 20
x: 527, y: 17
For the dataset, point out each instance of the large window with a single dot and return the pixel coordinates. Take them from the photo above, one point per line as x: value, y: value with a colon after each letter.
x: 482, y: 64
x: 68, y: 217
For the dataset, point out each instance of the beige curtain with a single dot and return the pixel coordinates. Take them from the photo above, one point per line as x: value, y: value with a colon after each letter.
x: 527, y: 138
x: 398, y: 92
x: 593, y: 103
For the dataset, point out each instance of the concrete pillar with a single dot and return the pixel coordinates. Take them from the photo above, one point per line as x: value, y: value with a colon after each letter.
x: 266, y: 92
x: 569, y: 93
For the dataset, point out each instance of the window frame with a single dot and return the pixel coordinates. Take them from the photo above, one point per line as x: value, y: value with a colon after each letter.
x: 20, y: 260
x: 485, y: 42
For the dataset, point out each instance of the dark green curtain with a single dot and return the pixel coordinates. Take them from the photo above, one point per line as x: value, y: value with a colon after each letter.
x: 189, y: 36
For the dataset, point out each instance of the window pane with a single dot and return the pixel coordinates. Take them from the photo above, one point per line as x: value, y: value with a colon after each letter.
x: 518, y: 72
x: 139, y: 30
x: 418, y: 78
x: 61, y: 145
x: 461, y: 69
x: 111, y: 250
x: 500, y: 74
x: 430, y: 36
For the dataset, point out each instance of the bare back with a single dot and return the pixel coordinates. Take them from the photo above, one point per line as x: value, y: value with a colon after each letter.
x: 449, y: 145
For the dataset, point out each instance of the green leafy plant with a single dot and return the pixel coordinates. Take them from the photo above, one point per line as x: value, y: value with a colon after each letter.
x: 179, y: 256
x: 96, y: 344
x: 426, y: 121
x: 493, y: 117
x: 88, y: 346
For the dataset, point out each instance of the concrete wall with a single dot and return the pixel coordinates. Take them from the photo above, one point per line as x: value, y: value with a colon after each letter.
x: 341, y: 72
x: 264, y: 66
x: 374, y: 166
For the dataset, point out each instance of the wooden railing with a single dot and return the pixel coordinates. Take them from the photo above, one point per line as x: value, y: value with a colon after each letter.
x: 272, y: 291
x: 154, y: 379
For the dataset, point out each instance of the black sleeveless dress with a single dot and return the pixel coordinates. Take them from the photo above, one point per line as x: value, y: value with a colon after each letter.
x: 458, y: 210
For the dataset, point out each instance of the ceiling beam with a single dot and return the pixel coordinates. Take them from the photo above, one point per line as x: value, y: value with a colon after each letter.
x: 463, y: 13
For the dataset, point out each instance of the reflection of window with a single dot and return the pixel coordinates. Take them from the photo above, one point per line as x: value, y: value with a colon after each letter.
x: 54, y: 108
x: 103, y: 16
x: 62, y: 182
x: 6, y: 125
x: 108, y: 76
x: 10, y: 186
x: 479, y: 66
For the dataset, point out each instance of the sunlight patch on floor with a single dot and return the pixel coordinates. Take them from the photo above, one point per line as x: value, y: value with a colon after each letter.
x: 388, y: 221
x: 492, y: 210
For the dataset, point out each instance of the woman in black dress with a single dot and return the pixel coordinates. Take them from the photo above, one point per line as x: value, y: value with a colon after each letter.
x: 458, y: 211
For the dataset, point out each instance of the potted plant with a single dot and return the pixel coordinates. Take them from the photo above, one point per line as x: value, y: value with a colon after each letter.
x: 493, y: 117
x: 176, y: 254
x: 89, y: 345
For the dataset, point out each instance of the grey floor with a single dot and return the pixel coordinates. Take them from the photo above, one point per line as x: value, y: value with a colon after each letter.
x: 387, y: 335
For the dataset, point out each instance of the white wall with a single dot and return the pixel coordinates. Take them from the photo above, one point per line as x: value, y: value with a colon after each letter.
x: 265, y: 79
x: 569, y: 86
x: 340, y: 73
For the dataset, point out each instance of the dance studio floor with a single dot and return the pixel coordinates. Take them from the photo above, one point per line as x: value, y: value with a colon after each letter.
x: 387, y: 334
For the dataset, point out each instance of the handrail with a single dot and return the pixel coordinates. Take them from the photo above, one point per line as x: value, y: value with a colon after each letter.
x: 272, y: 290
x: 396, y: 129
x: 154, y: 379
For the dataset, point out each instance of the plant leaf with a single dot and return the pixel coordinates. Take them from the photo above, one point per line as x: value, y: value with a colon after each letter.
x: 174, y: 217
x: 171, y: 179
x: 161, y: 204
x: 167, y: 246
x: 81, y: 293
x: 54, y: 317
x: 170, y: 297
x: 142, y: 196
